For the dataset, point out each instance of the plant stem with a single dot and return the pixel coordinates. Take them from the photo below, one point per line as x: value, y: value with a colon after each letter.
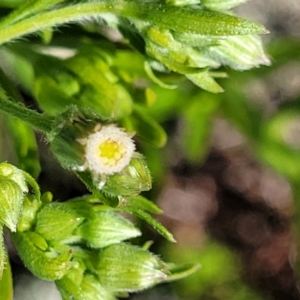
x: 180, y: 19
x: 53, y: 18
x: 31, y: 117
x: 27, y: 9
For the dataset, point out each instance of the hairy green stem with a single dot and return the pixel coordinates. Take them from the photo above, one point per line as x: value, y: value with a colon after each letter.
x: 31, y: 117
x: 27, y: 9
x: 182, y: 19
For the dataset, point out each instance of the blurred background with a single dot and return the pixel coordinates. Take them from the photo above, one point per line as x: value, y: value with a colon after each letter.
x: 227, y: 180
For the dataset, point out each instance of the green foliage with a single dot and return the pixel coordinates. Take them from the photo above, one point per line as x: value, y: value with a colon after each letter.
x: 85, y: 83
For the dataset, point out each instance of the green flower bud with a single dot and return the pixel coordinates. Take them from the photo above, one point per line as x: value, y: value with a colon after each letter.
x: 56, y: 221
x: 79, y: 284
x: 91, y: 289
x: 42, y: 261
x: 106, y: 228
x: 105, y: 152
x: 126, y: 268
x: 70, y: 284
x: 221, y: 4
x: 28, y: 215
x: 13, y: 186
x: 238, y: 52
x: 131, y: 181
x: 11, y: 200
x: 11, y: 172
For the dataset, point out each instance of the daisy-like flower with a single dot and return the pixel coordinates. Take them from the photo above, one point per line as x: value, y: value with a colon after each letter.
x: 108, y: 150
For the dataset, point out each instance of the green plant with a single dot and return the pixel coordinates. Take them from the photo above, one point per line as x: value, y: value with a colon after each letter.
x: 95, y: 94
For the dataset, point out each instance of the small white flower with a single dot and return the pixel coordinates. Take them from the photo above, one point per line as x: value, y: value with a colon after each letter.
x: 108, y: 150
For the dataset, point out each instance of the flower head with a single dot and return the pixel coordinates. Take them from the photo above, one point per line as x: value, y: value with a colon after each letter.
x: 108, y: 150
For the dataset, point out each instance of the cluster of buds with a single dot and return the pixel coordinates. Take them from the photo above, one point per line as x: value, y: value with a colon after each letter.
x: 80, y: 245
x: 13, y: 190
x: 208, y: 36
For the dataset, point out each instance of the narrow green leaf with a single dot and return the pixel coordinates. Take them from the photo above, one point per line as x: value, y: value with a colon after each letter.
x: 187, y: 19
x: 205, y: 81
x: 147, y: 128
x: 26, y: 9
x: 181, y: 271
x: 151, y: 221
x: 144, y: 204
x: 6, y: 284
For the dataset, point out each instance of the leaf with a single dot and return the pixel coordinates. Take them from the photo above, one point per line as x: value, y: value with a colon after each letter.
x: 180, y: 271
x: 45, y: 264
x: 147, y: 128
x: 187, y: 19
x: 151, y: 221
x: 197, y: 125
x: 205, y: 81
x: 22, y: 135
x: 6, y: 284
x: 144, y: 204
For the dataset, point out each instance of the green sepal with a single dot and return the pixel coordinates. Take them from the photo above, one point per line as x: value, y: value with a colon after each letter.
x: 80, y: 284
x: 127, y: 268
x: 56, y: 221
x: 150, y: 220
x: 220, y: 5
x: 91, y: 289
x: 205, y: 81
x: 143, y: 204
x: 86, y: 178
x: 238, y: 52
x: 28, y: 215
x: 11, y: 201
x: 180, y: 271
x: 14, y: 174
x: 43, y: 263
x: 69, y: 285
x: 105, y: 229
x: 132, y: 180
x: 68, y: 127
x: 13, y: 183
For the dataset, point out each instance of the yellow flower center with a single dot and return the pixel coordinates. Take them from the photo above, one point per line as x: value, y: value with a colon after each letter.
x: 111, y: 152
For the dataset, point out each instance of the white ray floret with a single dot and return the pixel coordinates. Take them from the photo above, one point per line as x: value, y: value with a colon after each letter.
x: 108, y: 150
